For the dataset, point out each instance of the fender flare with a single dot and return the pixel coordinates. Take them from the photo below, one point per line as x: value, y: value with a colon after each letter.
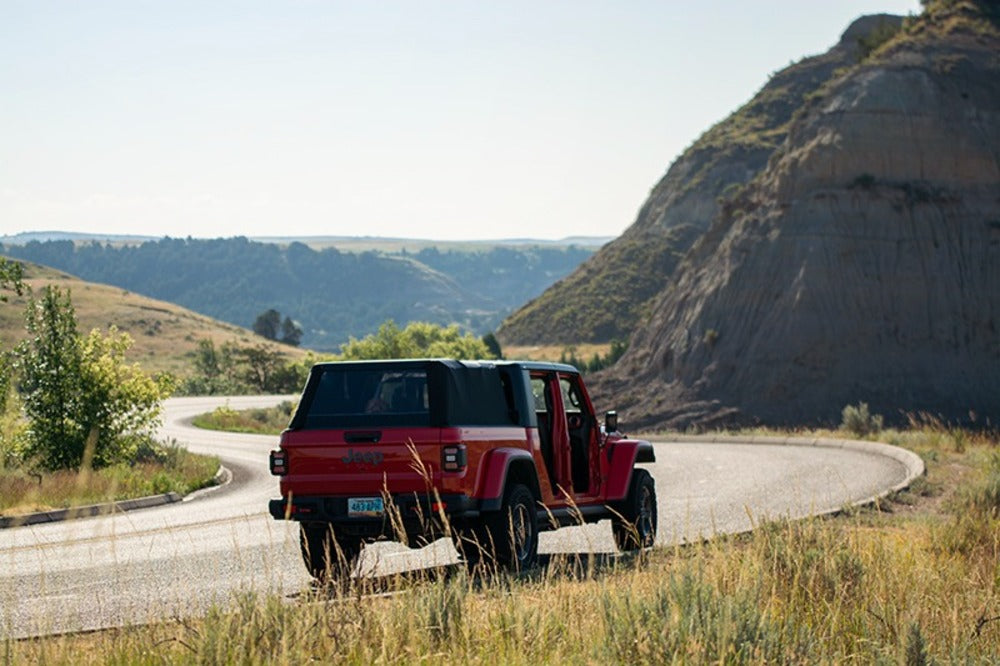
x: 497, y: 466
x: 625, y: 454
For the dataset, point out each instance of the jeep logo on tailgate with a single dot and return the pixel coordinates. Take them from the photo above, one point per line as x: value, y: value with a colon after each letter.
x: 363, y: 457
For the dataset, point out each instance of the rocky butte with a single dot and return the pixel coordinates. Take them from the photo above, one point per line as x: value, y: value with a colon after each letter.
x: 610, y: 293
x: 859, y: 263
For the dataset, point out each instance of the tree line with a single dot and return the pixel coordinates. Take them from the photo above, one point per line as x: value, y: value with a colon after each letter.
x: 330, y: 295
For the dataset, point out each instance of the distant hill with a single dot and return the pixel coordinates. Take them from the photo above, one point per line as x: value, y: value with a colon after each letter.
x: 396, y: 245
x: 385, y: 244
x: 331, y: 294
x: 859, y: 263
x: 75, y: 236
x: 165, y: 335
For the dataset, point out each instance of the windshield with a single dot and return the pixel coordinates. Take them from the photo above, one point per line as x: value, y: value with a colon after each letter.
x: 351, y: 397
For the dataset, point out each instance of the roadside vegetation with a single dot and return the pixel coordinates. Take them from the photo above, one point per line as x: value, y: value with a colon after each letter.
x: 221, y: 371
x: 233, y: 369
x: 76, y: 419
x: 417, y: 340
x: 258, y: 421
x: 153, y: 470
x: 913, y: 580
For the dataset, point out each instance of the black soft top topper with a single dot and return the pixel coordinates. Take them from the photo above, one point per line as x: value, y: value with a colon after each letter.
x: 419, y: 393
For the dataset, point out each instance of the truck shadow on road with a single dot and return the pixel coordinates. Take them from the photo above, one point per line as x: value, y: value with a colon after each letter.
x: 551, y: 567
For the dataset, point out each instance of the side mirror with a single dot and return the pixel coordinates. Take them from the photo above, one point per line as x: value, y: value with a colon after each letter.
x: 611, y: 421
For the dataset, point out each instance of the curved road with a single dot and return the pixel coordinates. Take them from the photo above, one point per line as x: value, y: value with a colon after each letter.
x: 180, y: 558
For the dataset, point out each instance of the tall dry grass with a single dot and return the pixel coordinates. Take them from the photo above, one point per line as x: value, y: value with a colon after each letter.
x: 914, y: 581
x: 154, y: 470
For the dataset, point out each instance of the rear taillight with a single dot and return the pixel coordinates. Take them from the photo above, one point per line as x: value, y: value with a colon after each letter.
x: 454, y: 458
x: 279, y: 463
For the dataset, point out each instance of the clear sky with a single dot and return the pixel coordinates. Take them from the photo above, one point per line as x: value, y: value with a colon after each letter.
x: 410, y: 118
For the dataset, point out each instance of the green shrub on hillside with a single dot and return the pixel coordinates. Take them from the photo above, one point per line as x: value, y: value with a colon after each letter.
x: 233, y: 369
x: 85, y: 405
x: 596, y: 362
x: 883, y: 32
x: 418, y: 340
x: 259, y: 420
x: 859, y: 421
x: 11, y: 277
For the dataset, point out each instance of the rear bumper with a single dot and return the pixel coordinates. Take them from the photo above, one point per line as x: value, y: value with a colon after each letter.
x: 418, y: 513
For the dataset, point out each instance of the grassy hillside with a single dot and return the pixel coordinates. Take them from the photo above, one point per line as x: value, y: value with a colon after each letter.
x: 165, y: 335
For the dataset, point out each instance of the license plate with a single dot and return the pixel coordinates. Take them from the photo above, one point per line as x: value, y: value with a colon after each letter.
x: 365, y: 507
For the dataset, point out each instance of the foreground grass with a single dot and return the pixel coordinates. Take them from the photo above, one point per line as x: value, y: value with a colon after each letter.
x: 156, y: 471
x: 913, y: 581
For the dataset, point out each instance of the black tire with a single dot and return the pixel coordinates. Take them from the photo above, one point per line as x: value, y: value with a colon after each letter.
x: 508, y: 538
x: 635, y: 527
x: 325, y: 556
x: 471, y: 543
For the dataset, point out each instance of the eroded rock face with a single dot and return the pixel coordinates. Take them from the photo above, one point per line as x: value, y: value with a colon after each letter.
x: 611, y: 292
x: 862, y: 265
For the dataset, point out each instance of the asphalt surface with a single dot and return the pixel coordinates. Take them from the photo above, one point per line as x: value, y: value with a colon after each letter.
x: 179, y: 559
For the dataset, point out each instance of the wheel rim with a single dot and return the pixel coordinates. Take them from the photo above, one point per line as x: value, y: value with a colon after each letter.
x: 647, y: 516
x: 521, y: 532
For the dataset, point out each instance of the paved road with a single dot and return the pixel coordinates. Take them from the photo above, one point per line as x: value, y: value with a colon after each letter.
x: 178, y: 559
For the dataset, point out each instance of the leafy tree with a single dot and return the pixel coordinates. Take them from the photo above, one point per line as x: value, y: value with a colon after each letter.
x: 291, y: 333
x: 51, y: 380
x: 84, y: 403
x: 267, y: 324
x: 262, y: 364
x: 218, y: 370
x: 208, y: 360
x: 417, y: 340
x: 493, y: 345
x: 232, y: 369
x: 120, y: 401
x: 11, y: 277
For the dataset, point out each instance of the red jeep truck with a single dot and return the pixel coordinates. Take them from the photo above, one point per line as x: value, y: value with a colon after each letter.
x: 489, y: 453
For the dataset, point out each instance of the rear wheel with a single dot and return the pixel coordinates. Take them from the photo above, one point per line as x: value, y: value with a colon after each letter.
x: 327, y: 557
x: 635, y: 527
x: 507, y: 538
x: 471, y: 543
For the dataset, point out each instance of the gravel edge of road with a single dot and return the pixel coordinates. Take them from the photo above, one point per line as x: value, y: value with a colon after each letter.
x: 913, y: 463
x: 222, y: 477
